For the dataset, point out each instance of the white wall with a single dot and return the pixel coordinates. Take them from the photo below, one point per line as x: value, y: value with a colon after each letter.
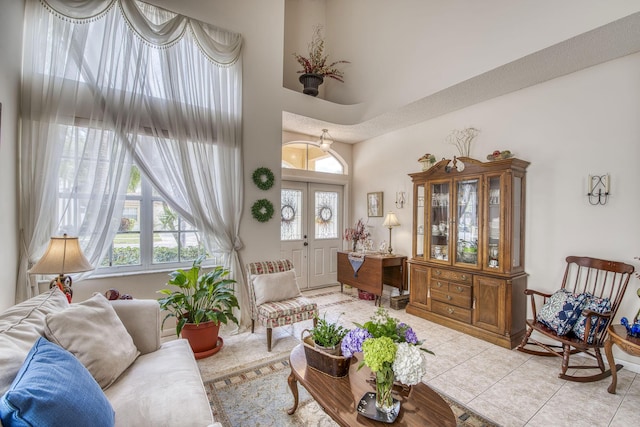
x: 580, y: 124
x: 11, y: 52
x: 405, y: 50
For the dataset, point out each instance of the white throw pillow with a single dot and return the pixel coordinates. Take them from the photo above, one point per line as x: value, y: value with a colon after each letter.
x: 274, y: 287
x: 20, y: 327
x: 93, y: 332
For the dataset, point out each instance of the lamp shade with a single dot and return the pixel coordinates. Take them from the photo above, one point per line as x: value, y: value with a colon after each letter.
x: 62, y: 256
x: 391, y: 220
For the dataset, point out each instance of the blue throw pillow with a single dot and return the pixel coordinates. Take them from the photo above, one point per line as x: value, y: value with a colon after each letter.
x: 599, y: 305
x: 561, y: 311
x: 54, y: 389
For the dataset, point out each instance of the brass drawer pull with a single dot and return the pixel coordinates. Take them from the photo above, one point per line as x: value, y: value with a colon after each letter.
x: 463, y: 277
x: 450, y: 310
x: 438, y: 272
x: 439, y: 284
x: 449, y: 297
x: 459, y: 289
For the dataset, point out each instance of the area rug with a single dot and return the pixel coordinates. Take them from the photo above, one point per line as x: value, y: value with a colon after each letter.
x: 260, y: 396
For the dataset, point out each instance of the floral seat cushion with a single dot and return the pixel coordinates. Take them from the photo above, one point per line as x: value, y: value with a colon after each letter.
x: 280, y: 313
x: 599, y: 305
x: 561, y: 311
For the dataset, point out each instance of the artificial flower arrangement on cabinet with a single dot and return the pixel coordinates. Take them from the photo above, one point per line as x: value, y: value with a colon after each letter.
x: 392, y: 351
x: 359, y: 233
x: 315, y: 67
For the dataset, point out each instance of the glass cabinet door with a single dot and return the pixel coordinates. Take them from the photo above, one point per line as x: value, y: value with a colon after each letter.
x: 494, y: 235
x: 467, y: 220
x: 420, y: 221
x: 437, y: 228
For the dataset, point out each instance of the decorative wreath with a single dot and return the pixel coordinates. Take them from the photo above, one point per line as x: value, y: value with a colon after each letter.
x: 262, y: 210
x: 263, y: 178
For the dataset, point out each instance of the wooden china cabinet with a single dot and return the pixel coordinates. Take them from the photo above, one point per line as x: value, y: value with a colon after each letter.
x: 467, y: 265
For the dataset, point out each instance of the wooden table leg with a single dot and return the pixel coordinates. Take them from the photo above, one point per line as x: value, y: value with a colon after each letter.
x: 293, y: 385
x: 612, y: 365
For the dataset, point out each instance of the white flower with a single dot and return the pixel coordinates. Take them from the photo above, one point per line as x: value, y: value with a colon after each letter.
x: 410, y: 365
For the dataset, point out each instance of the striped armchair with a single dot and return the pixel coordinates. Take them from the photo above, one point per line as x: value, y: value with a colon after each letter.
x: 279, y: 313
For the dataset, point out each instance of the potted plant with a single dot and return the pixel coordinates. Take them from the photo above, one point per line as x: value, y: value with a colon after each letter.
x: 327, y: 336
x: 315, y: 67
x: 200, y: 303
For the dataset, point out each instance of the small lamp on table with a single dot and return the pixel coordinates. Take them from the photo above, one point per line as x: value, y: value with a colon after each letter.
x: 62, y: 256
x: 390, y: 221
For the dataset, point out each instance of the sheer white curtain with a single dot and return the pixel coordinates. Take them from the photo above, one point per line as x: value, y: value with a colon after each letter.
x: 107, y: 82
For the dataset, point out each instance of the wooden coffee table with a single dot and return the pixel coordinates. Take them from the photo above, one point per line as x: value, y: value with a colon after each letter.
x: 339, y: 397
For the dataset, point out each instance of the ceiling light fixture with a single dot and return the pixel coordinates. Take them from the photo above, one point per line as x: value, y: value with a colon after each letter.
x: 325, y: 140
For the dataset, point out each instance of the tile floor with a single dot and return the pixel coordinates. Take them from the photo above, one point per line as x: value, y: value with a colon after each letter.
x: 506, y: 386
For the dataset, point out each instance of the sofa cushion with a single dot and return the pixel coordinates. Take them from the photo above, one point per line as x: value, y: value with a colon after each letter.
x: 275, y: 286
x: 161, y: 389
x: 92, y: 331
x: 20, y: 327
x: 52, y: 388
x: 599, y: 305
x: 561, y: 311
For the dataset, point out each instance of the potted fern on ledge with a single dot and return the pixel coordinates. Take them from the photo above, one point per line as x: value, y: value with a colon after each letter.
x: 200, y: 304
x: 315, y: 67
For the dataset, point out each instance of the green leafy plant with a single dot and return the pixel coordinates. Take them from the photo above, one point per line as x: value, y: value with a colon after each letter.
x: 199, y: 297
x: 316, y: 62
x: 327, y: 334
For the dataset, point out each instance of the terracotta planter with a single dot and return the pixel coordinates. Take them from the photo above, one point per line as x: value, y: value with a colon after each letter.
x: 311, y: 82
x: 203, y: 338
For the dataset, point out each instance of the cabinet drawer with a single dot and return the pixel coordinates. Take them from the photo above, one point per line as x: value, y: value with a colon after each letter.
x: 459, y: 299
x: 451, y: 311
x: 454, y: 276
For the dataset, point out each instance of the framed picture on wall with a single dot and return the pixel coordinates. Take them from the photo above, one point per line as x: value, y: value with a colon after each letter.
x: 374, y: 204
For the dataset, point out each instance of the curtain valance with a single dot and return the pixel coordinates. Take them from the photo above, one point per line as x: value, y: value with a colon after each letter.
x: 160, y: 30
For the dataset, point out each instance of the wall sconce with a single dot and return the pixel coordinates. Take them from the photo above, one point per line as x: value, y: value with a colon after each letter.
x: 598, y: 186
x: 400, y: 197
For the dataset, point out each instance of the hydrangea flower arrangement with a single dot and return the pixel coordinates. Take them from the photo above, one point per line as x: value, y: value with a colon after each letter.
x: 391, y: 350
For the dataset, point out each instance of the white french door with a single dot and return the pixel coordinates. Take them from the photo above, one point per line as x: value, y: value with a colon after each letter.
x: 311, y: 230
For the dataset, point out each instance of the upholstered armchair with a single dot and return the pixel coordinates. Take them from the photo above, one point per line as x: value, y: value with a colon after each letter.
x: 275, y: 296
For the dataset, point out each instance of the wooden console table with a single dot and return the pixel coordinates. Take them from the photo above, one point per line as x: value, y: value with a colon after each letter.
x: 631, y: 345
x: 339, y: 397
x: 375, y: 271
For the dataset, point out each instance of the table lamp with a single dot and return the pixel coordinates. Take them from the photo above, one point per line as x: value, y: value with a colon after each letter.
x: 390, y: 221
x: 62, y: 256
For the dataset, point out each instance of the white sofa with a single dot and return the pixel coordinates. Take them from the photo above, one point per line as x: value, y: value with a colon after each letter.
x: 162, y: 387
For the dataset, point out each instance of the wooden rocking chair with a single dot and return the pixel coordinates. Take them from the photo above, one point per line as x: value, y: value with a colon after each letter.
x: 583, y: 275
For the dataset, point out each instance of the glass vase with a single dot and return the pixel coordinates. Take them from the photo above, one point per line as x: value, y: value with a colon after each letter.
x: 384, y: 386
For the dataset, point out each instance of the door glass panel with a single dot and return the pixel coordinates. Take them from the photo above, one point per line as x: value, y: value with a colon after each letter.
x: 467, y: 226
x: 326, y: 206
x: 290, y: 214
x: 420, y: 210
x: 439, y: 220
x: 495, y: 236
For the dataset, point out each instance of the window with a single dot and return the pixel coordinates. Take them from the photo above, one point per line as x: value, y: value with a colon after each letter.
x: 104, y: 93
x: 151, y: 234
x: 309, y: 157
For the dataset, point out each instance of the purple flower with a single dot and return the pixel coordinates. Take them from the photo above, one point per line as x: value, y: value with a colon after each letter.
x: 405, y: 331
x: 352, y: 342
x: 410, y: 336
